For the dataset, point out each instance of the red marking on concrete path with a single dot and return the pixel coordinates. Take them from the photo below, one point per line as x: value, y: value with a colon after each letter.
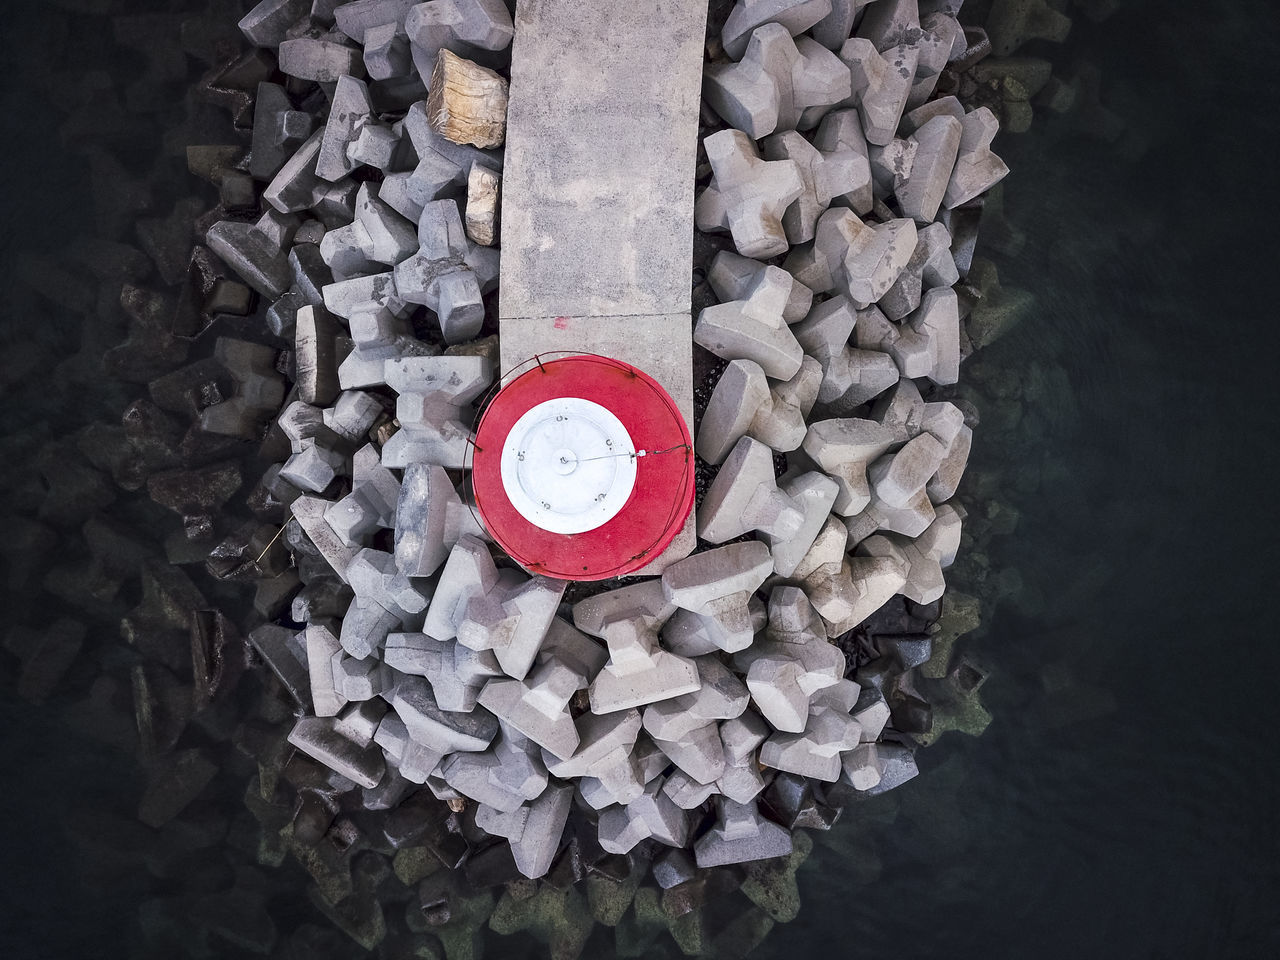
x: 562, y: 323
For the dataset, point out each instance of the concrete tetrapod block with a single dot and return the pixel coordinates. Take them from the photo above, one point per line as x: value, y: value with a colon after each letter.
x: 448, y: 274
x: 351, y: 110
x: 414, y: 701
x: 639, y: 671
x: 824, y: 175
x: 604, y: 752
x: 815, y: 494
x: 645, y: 599
x: 937, y: 144
x: 897, y: 478
x: 430, y: 518
x: 743, y: 404
x: 848, y: 376
x: 740, y: 835
x: 843, y: 448
x: 540, y: 839
x: 538, y: 707
x: 322, y: 646
x: 371, y: 504
x: 652, y: 814
x: 796, y: 15
x: 792, y: 618
x: 309, y: 512
x: 753, y: 329
x: 456, y: 25
x: 699, y: 753
x: 386, y: 52
x: 779, y: 84
x: 686, y: 792
x: 977, y: 169
x: 722, y: 696
x: 485, y: 612
x: 834, y: 29
x: 504, y: 777
x: 744, y: 496
x: 456, y: 673
x: 715, y: 590
x: 373, y: 576
x: 748, y: 195
x: 733, y: 277
x: 433, y: 406
x: 881, y: 85
x: 650, y: 761
x: 267, y: 24
x: 316, y: 355
x: 321, y: 61
x: 816, y: 751
x: 860, y: 261
x: 891, y: 165
x: 319, y: 739
x: 858, y: 588
x: 839, y: 138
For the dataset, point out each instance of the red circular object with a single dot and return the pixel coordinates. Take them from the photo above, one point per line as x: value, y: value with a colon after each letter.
x: 664, y: 488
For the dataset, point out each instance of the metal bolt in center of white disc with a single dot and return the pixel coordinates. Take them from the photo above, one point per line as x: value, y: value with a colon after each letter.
x: 568, y: 465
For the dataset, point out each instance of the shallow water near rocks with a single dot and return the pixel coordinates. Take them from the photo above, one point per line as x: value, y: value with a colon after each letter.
x: 1122, y: 802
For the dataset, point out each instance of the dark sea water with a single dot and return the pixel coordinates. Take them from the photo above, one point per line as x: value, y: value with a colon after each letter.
x: 1125, y: 800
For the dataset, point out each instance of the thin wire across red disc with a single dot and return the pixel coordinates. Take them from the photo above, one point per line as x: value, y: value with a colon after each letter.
x: 664, y: 489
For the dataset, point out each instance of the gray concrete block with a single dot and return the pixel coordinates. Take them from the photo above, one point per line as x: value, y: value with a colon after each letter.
x: 815, y: 752
x: 639, y: 671
x: 843, y: 448
x: 722, y: 696
x: 355, y: 19
x: 834, y: 29
x: 743, y: 405
x: 881, y: 84
x: 733, y: 277
x: 266, y: 24
x: 753, y: 329
x: 432, y: 407
x: 261, y: 264
x: 748, y: 196
x: 309, y: 512
x: 740, y: 835
x: 322, y: 645
x: 540, y: 839
x: 814, y: 493
x: 539, y: 706
x: 796, y: 15
x: 318, y: 739
x: 699, y: 753
x: 430, y: 518
x: 824, y: 176
x: 779, y: 84
x: 504, y: 777
x: 652, y: 814
x: 414, y: 701
x: 937, y: 145
x: 322, y: 61
x: 744, y: 496
x: 840, y: 140
x: 977, y: 168
x: 386, y: 52
x: 686, y: 792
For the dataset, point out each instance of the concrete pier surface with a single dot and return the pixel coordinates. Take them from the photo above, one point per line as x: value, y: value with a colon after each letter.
x: 597, y: 193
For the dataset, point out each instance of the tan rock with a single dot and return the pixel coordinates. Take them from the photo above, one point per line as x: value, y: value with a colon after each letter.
x: 467, y: 102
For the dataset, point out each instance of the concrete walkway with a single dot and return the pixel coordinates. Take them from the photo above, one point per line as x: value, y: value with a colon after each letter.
x: 597, y: 194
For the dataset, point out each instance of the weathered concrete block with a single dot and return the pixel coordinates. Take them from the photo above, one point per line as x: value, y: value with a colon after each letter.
x: 323, y: 61
x: 744, y: 496
x: 753, y: 329
x: 840, y: 139
x: 824, y: 176
x: 740, y: 835
x: 977, y: 168
x: 937, y: 144
x: 796, y: 15
x: 779, y: 84
x: 733, y: 277
x: 748, y: 195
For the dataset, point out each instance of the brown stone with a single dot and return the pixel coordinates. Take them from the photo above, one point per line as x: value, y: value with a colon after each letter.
x: 468, y: 102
